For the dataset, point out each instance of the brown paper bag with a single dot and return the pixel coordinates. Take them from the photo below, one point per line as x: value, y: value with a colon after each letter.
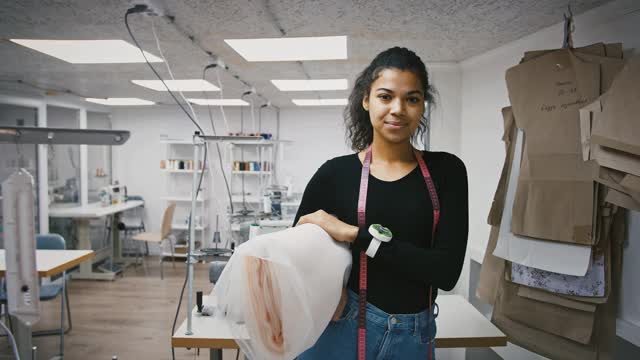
x: 619, y: 127
x: 576, y: 325
x: 599, y: 49
x: 491, y: 272
x: 609, y: 68
x: 623, y: 200
x: 497, y: 206
x: 556, y: 347
x: 618, y: 180
x: 614, y: 50
x: 544, y: 296
x: 605, y: 219
x: 615, y: 159
x: 543, y: 343
x: 591, y: 116
x: 587, y: 114
x: 554, y: 199
x: 632, y: 185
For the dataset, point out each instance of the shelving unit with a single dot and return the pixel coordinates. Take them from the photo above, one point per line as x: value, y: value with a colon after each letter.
x: 178, y: 190
x: 252, y: 182
x: 182, y: 199
x: 251, y: 172
x: 180, y: 171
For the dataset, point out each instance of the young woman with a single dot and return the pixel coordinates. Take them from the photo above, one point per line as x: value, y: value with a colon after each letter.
x: 421, y: 197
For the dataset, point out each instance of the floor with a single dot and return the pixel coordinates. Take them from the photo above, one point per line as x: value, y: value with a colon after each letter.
x: 130, y: 317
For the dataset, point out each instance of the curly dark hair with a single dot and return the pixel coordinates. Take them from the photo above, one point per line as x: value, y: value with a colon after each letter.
x: 357, y: 122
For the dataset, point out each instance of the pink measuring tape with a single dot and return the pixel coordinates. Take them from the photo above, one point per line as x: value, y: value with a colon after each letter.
x: 362, y: 206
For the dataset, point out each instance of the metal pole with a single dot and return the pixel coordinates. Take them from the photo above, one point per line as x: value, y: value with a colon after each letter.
x: 197, y: 142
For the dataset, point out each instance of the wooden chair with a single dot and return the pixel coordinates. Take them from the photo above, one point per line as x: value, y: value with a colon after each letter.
x: 160, y: 238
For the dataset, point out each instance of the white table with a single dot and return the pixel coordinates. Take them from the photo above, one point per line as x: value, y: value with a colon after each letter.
x: 51, y: 262
x: 48, y: 263
x: 460, y: 325
x: 81, y: 215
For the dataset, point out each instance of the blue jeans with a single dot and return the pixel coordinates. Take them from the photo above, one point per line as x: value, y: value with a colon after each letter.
x: 389, y: 336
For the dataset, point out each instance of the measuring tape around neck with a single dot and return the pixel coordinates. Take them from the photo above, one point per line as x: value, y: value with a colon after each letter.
x: 362, y: 206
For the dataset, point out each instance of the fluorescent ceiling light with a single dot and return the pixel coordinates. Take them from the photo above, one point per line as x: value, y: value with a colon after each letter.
x: 120, y: 101
x: 219, y: 102
x: 320, y: 102
x: 89, y: 51
x: 311, y: 85
x: 291, y: 49
x: 178, y: 85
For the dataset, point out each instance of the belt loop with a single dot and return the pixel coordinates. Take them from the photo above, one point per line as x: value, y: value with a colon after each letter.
x: 416, y: 330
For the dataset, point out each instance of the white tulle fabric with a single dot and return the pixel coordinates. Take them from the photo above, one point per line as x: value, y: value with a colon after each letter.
x: 280, y: 290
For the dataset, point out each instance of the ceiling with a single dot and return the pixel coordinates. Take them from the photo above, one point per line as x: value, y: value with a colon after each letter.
x: 439, y: 31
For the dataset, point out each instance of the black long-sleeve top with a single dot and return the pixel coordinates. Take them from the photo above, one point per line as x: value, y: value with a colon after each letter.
x: 402, y: 270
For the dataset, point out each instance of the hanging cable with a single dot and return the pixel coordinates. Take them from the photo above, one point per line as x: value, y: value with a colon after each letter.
x: 139, y: 9
x: 155, y: 36
x: 213, y: 128
x: 224, y: 115
x: 253, y: 116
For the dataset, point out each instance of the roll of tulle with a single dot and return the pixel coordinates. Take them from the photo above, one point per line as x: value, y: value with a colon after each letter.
x: 280, y: 290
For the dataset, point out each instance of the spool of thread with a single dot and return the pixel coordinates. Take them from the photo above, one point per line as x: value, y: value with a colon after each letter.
x: 266, y: 204
x: 199, y: 301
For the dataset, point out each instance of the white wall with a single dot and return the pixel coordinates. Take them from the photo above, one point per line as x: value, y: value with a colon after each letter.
x: 446, y: 121
x: 484, y: 93
x: 318, y: 136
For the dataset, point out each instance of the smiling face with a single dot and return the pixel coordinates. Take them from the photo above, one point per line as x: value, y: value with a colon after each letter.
x: 395, y: 104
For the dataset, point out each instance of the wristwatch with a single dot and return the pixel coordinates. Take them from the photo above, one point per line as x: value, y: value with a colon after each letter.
x: 380, y: 234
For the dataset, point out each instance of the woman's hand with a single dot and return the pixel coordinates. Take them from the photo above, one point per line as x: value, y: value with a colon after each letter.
x: 338, y: 230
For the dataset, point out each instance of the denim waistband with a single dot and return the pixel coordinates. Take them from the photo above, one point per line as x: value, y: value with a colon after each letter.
x: 376, y: 316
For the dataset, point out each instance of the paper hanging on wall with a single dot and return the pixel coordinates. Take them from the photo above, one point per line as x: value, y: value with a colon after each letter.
x: 592, y: 284
x: 552, y: 256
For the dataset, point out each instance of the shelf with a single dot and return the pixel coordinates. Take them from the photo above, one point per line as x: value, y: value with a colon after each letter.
x: 175, y: 255
x: 251, y: 172
x: 186, y: 227
x: 176, y: 142
x: 259, y: 142
x: 181, y: 171
x: 181, y: 199
x: 248, y: 199
x: 294, y: 203
x: 238, y: 140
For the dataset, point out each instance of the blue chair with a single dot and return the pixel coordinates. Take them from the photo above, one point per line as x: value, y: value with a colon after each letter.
x: 51, y: 291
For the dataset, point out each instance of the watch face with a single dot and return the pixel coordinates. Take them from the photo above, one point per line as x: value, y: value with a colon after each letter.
x: 382, y: 230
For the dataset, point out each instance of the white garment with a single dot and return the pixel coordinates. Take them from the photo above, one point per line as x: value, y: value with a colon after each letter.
x: 282, y: 288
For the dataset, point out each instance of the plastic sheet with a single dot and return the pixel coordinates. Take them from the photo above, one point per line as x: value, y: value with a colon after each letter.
x: 280, y: 290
